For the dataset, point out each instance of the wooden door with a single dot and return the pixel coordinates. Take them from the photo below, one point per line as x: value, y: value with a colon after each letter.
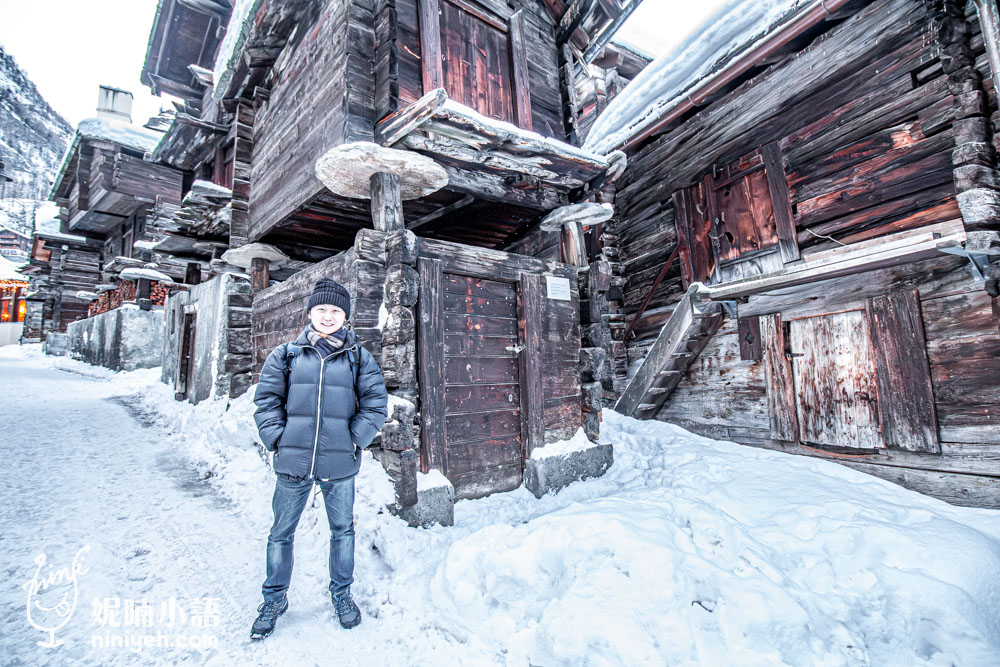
x: 470, y: 381
x: 833, y: 368
x: 185, y: 366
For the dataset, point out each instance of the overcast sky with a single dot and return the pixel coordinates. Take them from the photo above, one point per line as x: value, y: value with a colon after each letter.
x: 70, y: 47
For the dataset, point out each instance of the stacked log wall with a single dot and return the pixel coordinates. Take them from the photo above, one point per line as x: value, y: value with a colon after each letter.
x: 322, y: 96
x: 279, y: 312
x: 867, y: 119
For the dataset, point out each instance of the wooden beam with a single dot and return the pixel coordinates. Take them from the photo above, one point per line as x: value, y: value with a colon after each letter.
x: 259, y: 274
x: 431, y: 72
x: 396, y: 126
x: 782, y: 417
x: 526, y: 191
x: 430, y: 359
x: 441, y: 212
x: 530, y: 318
x: 519, y: 67
x: 574, y: 251
x: 879, y: 253
x: 774, y: 169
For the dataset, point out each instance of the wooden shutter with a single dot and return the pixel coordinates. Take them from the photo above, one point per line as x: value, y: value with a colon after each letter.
x: 906, y: 397
x: 737, y: 222
x: 479, y: 58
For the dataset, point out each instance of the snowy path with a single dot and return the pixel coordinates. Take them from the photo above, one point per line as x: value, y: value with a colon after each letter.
x: 688, y: 551
x: 83, y: 471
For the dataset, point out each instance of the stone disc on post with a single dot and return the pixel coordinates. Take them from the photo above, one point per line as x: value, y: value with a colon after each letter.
x: 347, y: 170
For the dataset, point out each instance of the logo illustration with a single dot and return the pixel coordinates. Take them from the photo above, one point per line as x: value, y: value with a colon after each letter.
x: 52, y: 596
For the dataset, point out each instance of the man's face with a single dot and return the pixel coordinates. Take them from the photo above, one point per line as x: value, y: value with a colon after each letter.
x: 327, y: 318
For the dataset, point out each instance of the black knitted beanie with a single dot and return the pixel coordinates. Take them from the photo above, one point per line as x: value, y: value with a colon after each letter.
x: 332, y: 292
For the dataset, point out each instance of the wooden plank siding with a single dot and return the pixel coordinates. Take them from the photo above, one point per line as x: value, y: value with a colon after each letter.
x: 862, y: 129
x: 323, y: 95
x: 535, y: 99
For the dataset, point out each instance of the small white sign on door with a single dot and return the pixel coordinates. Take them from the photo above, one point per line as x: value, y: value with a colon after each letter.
x: 558, y: 288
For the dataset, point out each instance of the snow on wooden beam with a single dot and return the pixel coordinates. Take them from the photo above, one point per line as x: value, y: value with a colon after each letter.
x: 463, y: 135
x: 902, y: 248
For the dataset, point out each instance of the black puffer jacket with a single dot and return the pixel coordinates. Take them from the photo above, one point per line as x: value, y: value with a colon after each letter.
x: 307, y: 412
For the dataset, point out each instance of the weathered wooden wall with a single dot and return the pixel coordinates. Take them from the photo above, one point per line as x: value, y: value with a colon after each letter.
x: 321, y: 95
x: 866, y: 118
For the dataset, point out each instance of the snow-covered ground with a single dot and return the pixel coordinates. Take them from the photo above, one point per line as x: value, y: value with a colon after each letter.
x: 689, y: 551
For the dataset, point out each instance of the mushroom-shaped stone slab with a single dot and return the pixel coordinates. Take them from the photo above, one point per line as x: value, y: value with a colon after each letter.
x: 244, y: 255
x: 347, y: 170
x: 86, y: 296
x: 582, y: 214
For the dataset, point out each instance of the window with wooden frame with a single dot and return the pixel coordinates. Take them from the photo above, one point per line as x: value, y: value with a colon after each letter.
x: 737, y: 221
x: 476, y: 52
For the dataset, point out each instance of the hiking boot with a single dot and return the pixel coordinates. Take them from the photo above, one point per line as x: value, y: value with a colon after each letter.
x: 269, y: 613
x: 348, y: 612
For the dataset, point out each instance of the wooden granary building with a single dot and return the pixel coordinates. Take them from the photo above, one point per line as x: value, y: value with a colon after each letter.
x: 473, y: 309
x: 807, y: 232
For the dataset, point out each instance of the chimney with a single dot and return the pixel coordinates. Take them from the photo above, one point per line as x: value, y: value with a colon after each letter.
x: 114, y: 104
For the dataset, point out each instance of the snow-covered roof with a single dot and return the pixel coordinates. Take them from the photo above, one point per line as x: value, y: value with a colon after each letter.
x: 118, y: 132
x: 673, y: 75
x: 7, y: 228
x: 59, y: 236
x: 148, y: 274
x: 236, y: 34
x: 8, y: 270
x: 103, y: 129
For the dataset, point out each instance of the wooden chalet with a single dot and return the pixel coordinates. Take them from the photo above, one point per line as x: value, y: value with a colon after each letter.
x: 106, y: 190
x: 463, y: 276
x: 60, y: 266
x: 808, y: 241
x: 14, y: 244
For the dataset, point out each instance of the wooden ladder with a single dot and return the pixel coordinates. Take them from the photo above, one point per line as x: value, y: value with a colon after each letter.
x: 679, y: 343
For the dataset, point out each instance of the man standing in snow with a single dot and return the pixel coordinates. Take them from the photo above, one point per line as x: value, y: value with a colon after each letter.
x: 321, y: 400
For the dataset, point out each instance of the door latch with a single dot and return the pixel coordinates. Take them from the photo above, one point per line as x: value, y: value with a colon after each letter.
x: 516, y: 349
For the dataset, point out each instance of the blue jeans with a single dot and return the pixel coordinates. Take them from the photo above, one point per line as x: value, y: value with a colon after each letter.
x: 290, y: 497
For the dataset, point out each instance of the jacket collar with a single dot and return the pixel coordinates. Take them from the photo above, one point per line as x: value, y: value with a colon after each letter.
x: 350, y: 341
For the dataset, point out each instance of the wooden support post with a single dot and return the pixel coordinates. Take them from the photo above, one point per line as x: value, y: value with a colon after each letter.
x: 387, y: 203
x: 260, y: 276
x: 192, y: 276
x: 574, y: 250
x: 143, y: 289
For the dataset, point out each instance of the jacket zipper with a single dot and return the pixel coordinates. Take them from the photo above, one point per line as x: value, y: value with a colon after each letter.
x: 319, y: 415
x: 319, y: 403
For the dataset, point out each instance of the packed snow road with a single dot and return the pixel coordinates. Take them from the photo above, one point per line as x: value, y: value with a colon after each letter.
x: 688, y: 551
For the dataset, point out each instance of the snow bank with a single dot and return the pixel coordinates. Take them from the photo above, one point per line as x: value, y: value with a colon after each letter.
x: 668, y: 79
x: 688, y: 551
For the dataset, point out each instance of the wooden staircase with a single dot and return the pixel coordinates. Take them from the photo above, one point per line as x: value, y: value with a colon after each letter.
x: 679, y: 343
